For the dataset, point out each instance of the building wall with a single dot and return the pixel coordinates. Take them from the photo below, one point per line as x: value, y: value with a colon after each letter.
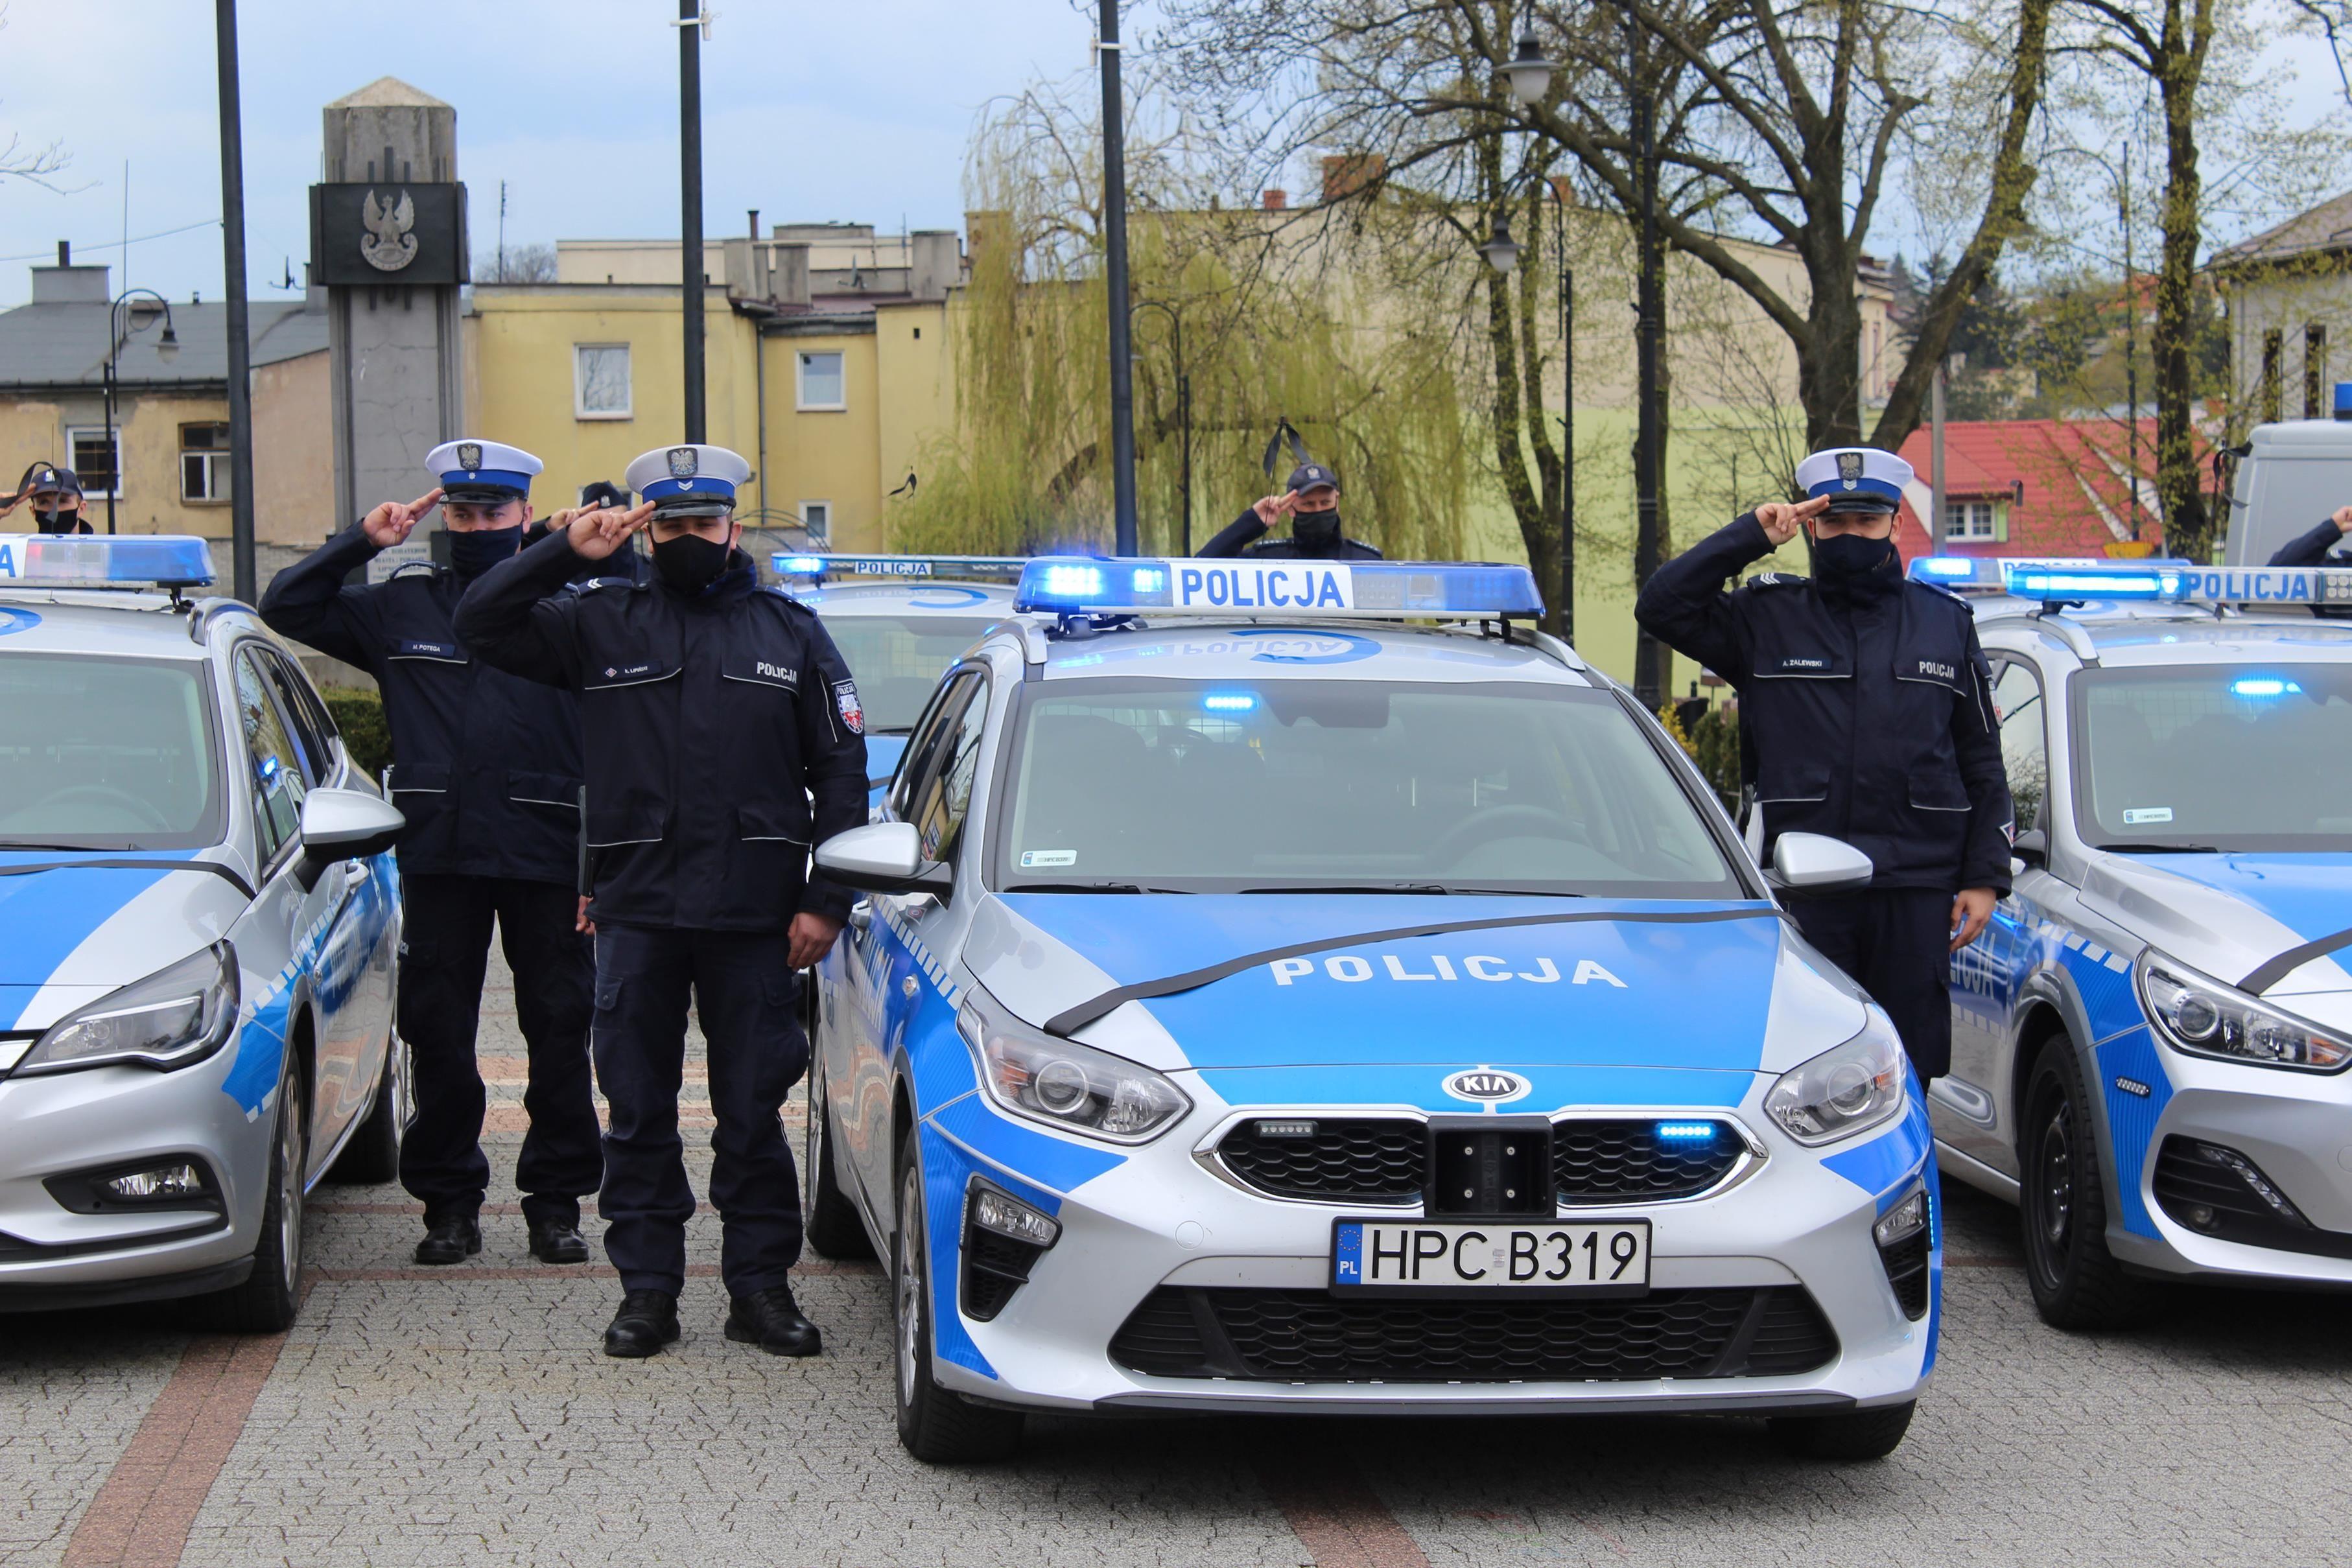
x: 915, y: 367
x: 147, y: 434
x: 293, y: 452
x: 816, y: 455
x: 2288, y: 302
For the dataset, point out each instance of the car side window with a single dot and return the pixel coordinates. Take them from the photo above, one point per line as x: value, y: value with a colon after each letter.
x: 924, y: 741
x: 2016, y: 697
x: 278, y: 784
x: 306, y: 720
x: 942, y: 794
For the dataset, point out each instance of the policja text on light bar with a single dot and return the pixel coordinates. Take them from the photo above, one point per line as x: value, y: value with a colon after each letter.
x: 1285, y: 589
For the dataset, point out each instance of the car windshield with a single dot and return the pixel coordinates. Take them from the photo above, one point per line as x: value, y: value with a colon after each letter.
x: 1345, y: 786
x: 897, y: 660
x: 2225, y: 757
x: 106, y: 753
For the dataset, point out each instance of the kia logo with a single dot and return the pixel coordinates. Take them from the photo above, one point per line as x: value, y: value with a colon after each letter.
x: 1486, y: 1084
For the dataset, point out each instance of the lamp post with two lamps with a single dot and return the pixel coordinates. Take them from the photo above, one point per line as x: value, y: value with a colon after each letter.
x: 118, y: 331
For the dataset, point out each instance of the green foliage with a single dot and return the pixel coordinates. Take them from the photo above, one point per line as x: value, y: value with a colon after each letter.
x: 359, y: 714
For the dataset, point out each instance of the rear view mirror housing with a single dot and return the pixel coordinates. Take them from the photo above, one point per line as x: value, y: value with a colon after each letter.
x: 1815, y: 862
x: 344, y: 825
x: 881, y: 857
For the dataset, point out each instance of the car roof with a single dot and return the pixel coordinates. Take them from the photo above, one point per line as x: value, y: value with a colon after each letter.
x: 2183, y: 633
x: 1242, y: 650
x: 95, y: 621
x: 989, y: 599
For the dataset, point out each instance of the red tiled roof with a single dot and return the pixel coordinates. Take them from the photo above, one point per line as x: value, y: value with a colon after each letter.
x: 2068, y: 481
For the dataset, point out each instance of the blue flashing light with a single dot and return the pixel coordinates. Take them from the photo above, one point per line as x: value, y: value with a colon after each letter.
x: 1944, y: 566
x: 115, y: 560
x: 798, y: 565
x: 2091, y: 580
x: 1686, y: 1132
x: 1258, y: 587
x: 2265, y: 686
x: 1229, y: 702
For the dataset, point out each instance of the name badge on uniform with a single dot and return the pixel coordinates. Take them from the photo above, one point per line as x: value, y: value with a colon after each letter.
x: 629, y: 673
x: 1803, y: 662
x: 418, y: 648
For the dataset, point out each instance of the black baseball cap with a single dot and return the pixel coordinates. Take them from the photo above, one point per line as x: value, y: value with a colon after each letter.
x: 603, y: 493
x: 50, y: 478
x: 1309, y: 476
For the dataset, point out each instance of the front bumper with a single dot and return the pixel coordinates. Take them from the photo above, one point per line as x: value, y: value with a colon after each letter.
x: 55, y: 1126
x: 1798, y: 1226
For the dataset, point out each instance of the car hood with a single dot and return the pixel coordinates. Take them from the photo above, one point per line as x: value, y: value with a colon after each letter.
x: 69, y: 935
x: 1717, y: 991
x: 2228, y: 914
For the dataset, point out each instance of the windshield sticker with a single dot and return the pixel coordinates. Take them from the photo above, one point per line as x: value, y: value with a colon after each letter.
x: 2134, y: 815
x: 1031, y: 859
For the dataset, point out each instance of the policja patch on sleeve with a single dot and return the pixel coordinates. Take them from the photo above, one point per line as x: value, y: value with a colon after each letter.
x: 853, y: 714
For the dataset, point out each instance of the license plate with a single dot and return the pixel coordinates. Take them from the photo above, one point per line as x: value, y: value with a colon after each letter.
x: 1404, y: 1256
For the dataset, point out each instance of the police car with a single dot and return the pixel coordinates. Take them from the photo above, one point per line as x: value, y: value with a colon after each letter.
x: 199, y: 926
x: 1269, y: 1000
x: 2150, y: 1042
x: 907, y: 618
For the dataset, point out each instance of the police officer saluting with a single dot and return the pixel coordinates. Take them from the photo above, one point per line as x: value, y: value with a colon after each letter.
x: 711, y: 710
x: 1311, y: 502
x: 486, y: 769
x: 1868, y: 704
x: 56, y: 497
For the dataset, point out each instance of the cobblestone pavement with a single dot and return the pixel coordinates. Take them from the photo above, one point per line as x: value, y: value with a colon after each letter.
x: 464, y: 1415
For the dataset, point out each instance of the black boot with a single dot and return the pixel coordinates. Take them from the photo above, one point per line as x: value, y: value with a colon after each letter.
x: 772, y: 1319
x: 452, y: 1238
x: 554, y: 1241
x: 646, y: 1321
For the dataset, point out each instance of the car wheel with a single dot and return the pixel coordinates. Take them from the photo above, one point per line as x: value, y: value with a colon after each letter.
x: 1850, y: 1435
x: 2063, y: 1207
x: 374, y: 1154
x: 936, y: 1425
x: 828, y: 1219
x: 266, y: 1303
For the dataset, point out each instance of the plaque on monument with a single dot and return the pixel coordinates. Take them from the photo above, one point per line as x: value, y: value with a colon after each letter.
x: 387, y: 234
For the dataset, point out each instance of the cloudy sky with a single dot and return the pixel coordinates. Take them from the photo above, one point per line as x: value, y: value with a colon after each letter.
x: 813, y: 110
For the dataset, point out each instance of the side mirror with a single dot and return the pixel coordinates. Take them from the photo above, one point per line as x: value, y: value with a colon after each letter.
x: 2031, y: 848
x: 1814, y: 863
x: 342, y: 825
x: 881, y: 857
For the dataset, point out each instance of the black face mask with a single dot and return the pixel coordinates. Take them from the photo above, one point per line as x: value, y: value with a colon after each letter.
x: 61, y: 520
x: 477, y: 551
x: 1316, y: 530
x: 1849, y: 563
x: 690, y: 563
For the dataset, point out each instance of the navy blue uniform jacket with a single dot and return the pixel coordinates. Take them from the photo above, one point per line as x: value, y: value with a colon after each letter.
x: 1871, y: 724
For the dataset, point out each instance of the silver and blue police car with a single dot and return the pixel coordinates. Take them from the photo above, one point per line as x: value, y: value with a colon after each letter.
x: 1271, y: 998
x: 898, y: 621
x: 199, y: 926
x: 2151, y: 1041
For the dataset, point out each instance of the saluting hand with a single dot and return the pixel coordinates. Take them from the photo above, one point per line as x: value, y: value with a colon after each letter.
x: 2342, y: 518
x: 1274, y: 508
x: 1780, y: 517
x: 597, y: 531
x: 390, y: 523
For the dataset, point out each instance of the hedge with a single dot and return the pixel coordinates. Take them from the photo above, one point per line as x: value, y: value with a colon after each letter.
x: 359, y: 714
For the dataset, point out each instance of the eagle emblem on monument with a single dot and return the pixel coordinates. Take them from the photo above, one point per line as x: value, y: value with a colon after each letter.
x: 389, y: 246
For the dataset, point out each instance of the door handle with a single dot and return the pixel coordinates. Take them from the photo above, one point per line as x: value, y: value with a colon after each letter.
x: 355, y: 872
x: 861, y: 915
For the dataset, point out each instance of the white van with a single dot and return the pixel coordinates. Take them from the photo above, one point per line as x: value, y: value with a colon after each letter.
x: 2293, y: 475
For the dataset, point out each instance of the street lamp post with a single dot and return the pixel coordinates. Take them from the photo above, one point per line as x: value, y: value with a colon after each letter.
x: 2120, y: 180
x: 1122, y: 367
x: 1183, y: 415
x: 692, y: 23
x: 167, y: 349
x: 1650, y: 655
x: 243, y: 569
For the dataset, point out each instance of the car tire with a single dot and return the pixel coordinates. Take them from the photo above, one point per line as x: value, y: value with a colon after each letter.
x: 828, y: 1219
x: 2063, y: 1205
x: 372, y: 1155
x: 936, y: 1425
x: 1851, y: 1437
x: 267, y: 1302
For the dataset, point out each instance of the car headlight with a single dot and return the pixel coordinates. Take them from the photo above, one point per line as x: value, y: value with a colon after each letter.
x: 172, y: 1017
x: 1063, y: 1083
x: 1842, y: 1092
x: 2198, y: 1014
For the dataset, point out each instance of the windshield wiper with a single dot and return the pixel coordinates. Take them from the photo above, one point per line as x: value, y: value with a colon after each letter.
x: 1089, y: 887
x: 2162, y: 848
x: 69, y: 849
x: 1521, y: 892
x: 1355, y: 887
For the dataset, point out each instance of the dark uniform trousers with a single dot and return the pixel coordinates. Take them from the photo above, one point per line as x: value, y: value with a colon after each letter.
x: 744, y: 990
x: 1895, y: 943
x: 446, y: 952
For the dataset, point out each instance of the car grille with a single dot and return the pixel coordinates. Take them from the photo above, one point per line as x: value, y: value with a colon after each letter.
x: 2219, y: 1192
x: 1385, y: 1160
x: 1626, y: 1160
x: 1906, y: 1270
x: 1367, y: 1160
x: 1313, y: 1336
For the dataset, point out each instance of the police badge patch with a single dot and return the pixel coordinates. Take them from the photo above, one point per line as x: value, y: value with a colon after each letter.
x: 683, y: 462
x: 469, y: 455
x: 853, y: 713
x: 1849, y: 469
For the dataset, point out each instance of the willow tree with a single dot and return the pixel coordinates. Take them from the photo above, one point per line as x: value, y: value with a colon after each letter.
x: 1286, y: 318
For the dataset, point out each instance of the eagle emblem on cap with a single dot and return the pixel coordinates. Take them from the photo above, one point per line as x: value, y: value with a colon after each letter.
x: 683, y: 461
x: 469, y: 455
x: 1850, y: 468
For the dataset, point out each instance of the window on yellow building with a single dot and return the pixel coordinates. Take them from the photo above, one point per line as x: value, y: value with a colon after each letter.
x: 816, y: 517
x: 821, y: 381
x: 203, y: 463
x: 600, y: 381
x: 93, y: 460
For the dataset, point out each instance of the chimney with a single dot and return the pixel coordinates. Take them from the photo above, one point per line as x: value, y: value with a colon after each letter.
x: 938, y: 263
x: 67, y: 284
x: 1345, y: 173
x: 789, y: 283
x: 1274, y: 201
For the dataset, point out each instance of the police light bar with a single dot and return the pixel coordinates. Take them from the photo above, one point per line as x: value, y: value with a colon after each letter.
x: 1992, y: 574
x: 112, y: 561
x: 2178, y: 582
x: 1248, y: 586
x: 816, y: 567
